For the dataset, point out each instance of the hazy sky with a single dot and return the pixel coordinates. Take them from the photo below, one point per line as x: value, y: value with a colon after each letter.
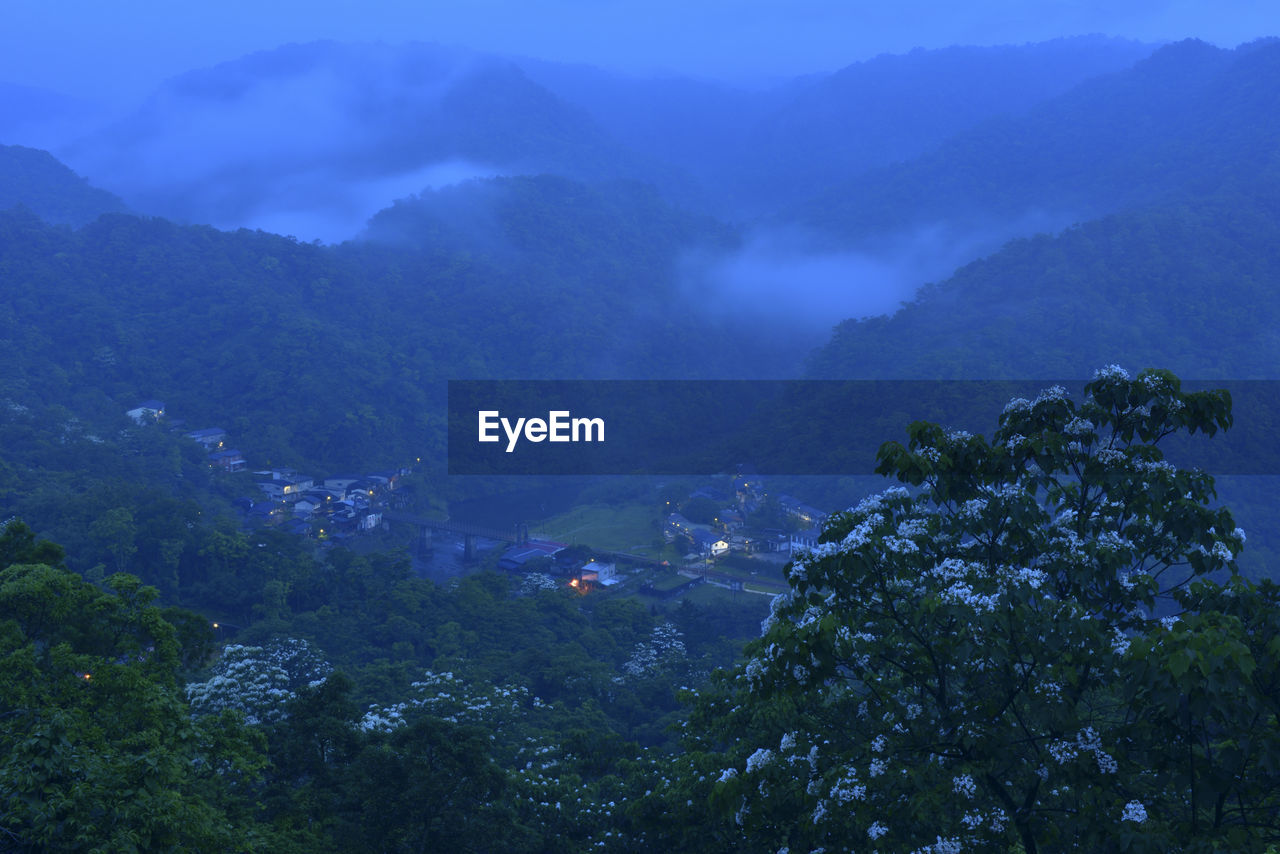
x: 123, y: 47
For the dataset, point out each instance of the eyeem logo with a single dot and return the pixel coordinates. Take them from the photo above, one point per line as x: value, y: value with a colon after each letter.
x: 556, y: 427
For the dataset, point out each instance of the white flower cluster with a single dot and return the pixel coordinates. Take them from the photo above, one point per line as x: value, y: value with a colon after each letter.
x: 448, y: 697
x: 258, y: 681
x: 972, y: 509
x: 1111, y: 372
x: 961, y: 593
x: 1119, y: 642
x: 847, y: 788
x: 1063, y: 752
x: 860, y: 535
x: 876, y: 830
x: 1135, y: 812
x: 964, y: 785
x: 759, y: 759
x: 535, y: 581
x: 664, y: 647
x: 1052, y: 394
x: 1031, y: 577
x: 1087, y: 741
x: 1079, y: 427
x: 777, y: 605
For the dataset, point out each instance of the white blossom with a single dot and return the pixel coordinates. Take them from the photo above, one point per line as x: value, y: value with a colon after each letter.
x: 759, y: 759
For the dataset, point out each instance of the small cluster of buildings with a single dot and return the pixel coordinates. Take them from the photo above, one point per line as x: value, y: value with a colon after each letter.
x: 728, y: 531
x: 555, y: 559
x: 330, y: 507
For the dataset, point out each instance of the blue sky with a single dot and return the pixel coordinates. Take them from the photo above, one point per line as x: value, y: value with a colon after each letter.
x: 124, y: 47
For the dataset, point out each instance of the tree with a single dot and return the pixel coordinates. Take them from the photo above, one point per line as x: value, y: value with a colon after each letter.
x: 97, y: 750
x: 1042, y: 643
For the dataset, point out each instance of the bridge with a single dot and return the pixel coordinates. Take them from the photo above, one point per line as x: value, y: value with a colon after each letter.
x: 469, y: 531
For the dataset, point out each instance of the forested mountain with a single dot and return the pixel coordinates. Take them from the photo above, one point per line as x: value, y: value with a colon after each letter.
x: 329, y: 356
x: 1187, y: 121
x: 37, y: 180
x: 1190, y: 286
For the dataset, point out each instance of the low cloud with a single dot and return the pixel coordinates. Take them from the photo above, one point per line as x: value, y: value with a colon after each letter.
x: 319, y: 206
x: 788, y: 277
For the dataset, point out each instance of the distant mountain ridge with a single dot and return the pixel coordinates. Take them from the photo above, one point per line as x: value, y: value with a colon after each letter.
x: 1189, y: 120
x: 898, y: 106
x: 756, y: 149
x: 339, y: 130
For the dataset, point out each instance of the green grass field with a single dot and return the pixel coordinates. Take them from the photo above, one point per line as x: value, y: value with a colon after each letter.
x: 630, y: 528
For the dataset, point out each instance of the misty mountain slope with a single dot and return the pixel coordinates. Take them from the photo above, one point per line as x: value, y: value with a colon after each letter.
x: 329, y: 133
x: 565, y: 230
x: 1190, y: 288
x: 1188, y: 121
x: 334, y: 357
x: 896, y: 107
x: 557, y: 251
x: 39, y: 181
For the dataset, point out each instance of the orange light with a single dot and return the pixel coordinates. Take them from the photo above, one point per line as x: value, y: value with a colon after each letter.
x: 88, y: 676
x: 573, y: 583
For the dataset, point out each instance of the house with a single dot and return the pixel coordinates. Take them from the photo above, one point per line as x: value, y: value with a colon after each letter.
x: 147, y: 411
x: 517, y: 556
x: 731, y: 519
x: 671, y: 586
x: 806, y: 513
x: 273, y: 488
x: 676, y: 527
x: 708, y: 543
x: 228, y: 460
x: 294, y: 488
x: 388, y: 479
x: 212, y: 438
x: 755, y: 542
x: 595, y: 572
x: 304, y: 508
x: 364, y: 489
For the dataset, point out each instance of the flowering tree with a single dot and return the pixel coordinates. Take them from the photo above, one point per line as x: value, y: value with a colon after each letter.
x: 258, y: 682
x: 1023, y: 649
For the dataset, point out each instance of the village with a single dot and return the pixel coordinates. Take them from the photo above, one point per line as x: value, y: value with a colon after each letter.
x: 720, y: 547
